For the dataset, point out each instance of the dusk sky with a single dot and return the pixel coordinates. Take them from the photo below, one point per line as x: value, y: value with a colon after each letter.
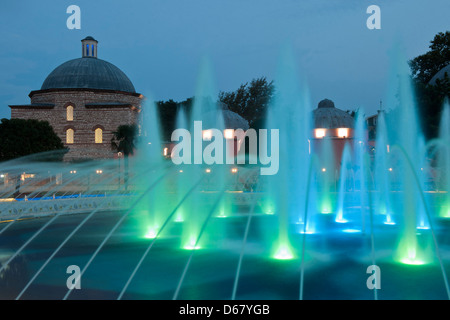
x: 160, y: 44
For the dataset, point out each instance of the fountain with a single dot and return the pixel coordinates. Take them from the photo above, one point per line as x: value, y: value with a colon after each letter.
x: 197, y: 231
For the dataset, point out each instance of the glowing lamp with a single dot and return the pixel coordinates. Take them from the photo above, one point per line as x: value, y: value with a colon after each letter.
x: 343, y: 132
x: 320, y: 133
x: 151, y: 234
x: 351, y: 230
x: 228, y: 133
x: 207, y: 135
x: 192, y: 245
x: 413, y: 262
x: 284, y: 253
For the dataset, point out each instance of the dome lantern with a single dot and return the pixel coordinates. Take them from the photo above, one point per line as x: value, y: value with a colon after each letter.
x: 327, y: 116
x: 89, y: 47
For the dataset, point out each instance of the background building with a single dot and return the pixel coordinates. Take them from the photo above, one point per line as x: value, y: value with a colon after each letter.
x: 333, y: 128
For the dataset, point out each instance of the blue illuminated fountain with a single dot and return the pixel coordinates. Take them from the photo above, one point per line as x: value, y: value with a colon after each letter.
x: 195, y: 232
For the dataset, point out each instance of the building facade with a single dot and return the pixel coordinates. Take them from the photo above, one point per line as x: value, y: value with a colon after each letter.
x: 85, y: 100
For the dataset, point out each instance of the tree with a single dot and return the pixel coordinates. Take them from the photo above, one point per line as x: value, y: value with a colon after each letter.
x: 124, y: 140
x: 22, y: 137
x: 250, y: 101
x: 167, y: 111
x: 430, y: 97
x: 425, y: 66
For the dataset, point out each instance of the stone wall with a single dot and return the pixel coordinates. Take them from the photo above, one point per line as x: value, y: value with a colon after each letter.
x: 92, y: 109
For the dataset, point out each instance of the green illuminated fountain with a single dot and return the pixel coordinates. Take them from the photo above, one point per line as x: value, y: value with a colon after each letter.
x: 194, y: 231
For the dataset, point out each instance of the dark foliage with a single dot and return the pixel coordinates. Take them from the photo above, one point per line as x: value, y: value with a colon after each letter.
x: 20, y: 137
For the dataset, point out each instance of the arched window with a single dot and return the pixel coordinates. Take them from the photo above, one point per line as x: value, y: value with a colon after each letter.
x: 98, y: 135
x: 69, y: 113
x: 69, y: 136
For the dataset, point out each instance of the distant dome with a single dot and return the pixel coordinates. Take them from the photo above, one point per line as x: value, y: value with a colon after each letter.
x: 440, y: 75
x: 89, y: 38
x: 326, y: 103
x: 88, y: 73
x: 231, y: 119
x: 234, y: 121
x: 328, y: 117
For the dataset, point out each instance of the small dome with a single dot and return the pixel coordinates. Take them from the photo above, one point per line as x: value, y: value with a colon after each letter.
x: 88, y: 73
x: 234, y: 121
x: 326, y: 103
x: 328, y: 117
x: 440, y: 75
x: 89, y: 38
x: 231, y: 119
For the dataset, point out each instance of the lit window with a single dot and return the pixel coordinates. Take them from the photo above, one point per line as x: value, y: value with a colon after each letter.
x: 69, y: 136
x: 98, y: 135
x: 207, y: 135
x: 320, y: 133
x: 69, y: 113
x: 228, y: 133
x: 165, y: 151
x: 343, y: 132
x: 87, y: 50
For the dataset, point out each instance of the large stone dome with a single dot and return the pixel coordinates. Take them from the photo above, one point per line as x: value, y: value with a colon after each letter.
x: 88, y: 72
x: 328, y: 117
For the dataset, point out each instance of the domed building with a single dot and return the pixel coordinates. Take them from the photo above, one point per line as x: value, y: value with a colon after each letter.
x: 210, y: 120
x: 231, y: 121
x: 331, y: 119
x: 441, y: 76
x: 332, y: 126
x: 84, y: 100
